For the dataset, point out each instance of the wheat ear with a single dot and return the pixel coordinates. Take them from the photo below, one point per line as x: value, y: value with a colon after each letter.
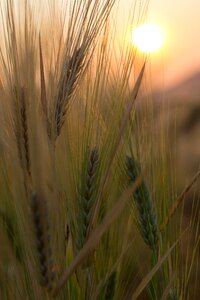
x: 39, y: 212
x: 87, y: 196
x: 66, y: 86
x: 21, y: 131
x: 147, y: 217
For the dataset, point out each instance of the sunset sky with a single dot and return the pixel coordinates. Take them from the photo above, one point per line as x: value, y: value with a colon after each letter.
x: 180, y: 57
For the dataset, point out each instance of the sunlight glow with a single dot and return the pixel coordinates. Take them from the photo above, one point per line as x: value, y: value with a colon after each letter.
x: 148, y: 38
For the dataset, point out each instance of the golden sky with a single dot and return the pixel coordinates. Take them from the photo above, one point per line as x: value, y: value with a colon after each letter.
x: 181, y: 20
x: 180, y: 55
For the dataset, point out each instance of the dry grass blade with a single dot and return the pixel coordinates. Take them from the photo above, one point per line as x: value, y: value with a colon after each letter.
x: 129, y: 109
x: 118, y: 140
x: 179, y: 200
x: 43, y: 86
x: 97, y: 234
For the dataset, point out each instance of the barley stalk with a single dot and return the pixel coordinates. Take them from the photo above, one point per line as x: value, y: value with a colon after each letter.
x: 173, y: 295
x: 110, y: 287
x: 13, y: 235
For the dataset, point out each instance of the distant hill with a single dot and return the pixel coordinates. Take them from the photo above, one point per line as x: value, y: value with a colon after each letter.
x: 188, y: 89
x: 183, y: 100
x: 179, y: 115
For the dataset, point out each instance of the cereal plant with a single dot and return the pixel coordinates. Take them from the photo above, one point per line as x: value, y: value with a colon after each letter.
x: 88, y: 204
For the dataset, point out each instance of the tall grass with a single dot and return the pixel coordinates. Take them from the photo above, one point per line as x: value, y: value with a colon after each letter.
x: 87, y: 206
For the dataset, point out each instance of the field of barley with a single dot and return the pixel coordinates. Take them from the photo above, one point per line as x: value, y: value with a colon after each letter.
x: 92, y: 202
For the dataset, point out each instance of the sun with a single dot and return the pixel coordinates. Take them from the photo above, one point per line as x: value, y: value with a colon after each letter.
x: 148, y: 38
